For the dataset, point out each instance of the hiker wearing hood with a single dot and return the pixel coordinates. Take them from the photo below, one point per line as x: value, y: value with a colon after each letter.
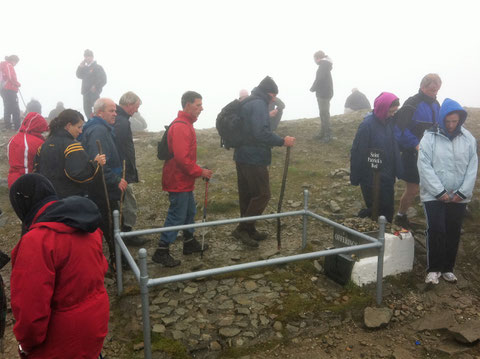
x: 447, y: 165
x: 9, y: 86
x: 93, y: 79
x: 253, y: 157
x: 376, y: 132
x: 23, y: 147
x: 58, y: 297
x: 62, y: 158
x: 323, y: 88
x: 418, y: 113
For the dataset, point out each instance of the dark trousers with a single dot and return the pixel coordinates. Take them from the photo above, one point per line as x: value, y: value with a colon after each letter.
x: 253, y: 192
x: 11, y: 111
x: 385, y: 200
x: 444, y: 223
x: 181, y: 211
x: 88, y: 100
x: 99, y: 199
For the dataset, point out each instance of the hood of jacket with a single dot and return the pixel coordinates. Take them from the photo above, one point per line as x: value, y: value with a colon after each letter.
x: 382, y: 104
x: 449, y: 106
x: 34, y: 123
x: 259, y: 93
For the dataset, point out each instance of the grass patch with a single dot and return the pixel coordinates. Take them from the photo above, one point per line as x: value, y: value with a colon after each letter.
x: 220, y: 207
x: 172, y: 347
x: 239, y: 352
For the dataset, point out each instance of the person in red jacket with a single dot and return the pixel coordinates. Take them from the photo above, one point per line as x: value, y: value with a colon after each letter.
x: 9, y: 88
x: 178, y: 179
x: 58, y: 296
x: 22, y: 147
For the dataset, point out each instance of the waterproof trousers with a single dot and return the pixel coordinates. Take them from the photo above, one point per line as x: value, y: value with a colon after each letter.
x: 11, y: 111
x: 324, y: 110
x: 253, y: 192
x: 444, y: 224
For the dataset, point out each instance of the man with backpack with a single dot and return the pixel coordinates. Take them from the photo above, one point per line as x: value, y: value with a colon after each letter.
x: 252, y: 158
x: 418, y: 113
x: 178, y: 179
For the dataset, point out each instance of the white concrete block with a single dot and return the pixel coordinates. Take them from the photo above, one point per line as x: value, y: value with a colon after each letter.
x: 398, y: 258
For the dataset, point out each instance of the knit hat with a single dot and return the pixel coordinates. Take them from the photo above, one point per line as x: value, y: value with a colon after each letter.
x: 88, y: 52
x: 268, y: 85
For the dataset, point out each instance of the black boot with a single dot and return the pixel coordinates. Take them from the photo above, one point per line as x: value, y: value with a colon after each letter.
x: 191, y: 245
x: 134, y: 241
x: 162, y: 256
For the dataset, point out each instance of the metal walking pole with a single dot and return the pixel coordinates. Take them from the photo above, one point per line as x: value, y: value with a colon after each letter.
x: 21, y: 96
x: 305, y: 218
x: 280, y: 200
x: 204, y: 215
x: 382, y: 221
x: 147, y: 340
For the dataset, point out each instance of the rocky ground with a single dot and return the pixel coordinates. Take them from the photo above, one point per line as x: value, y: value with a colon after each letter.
x: 290, y: 311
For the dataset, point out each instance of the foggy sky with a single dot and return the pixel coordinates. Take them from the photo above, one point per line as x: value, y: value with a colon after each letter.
x: 161, y: 49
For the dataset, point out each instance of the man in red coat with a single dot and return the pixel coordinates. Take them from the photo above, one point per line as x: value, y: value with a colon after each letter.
x: 178, y: 179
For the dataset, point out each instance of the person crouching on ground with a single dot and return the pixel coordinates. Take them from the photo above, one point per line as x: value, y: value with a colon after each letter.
x: 178, y: 179
x: 58, y: 297
x: 253, y: 158
x: 377, y: 132
x: 447, y: 165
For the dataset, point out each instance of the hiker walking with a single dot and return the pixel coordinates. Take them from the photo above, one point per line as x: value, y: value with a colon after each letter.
x: 93, y: 79
x: 63, y: 160
x: 100, y: 129
x: 58, y: 296
x: 128, y: 105
x: 23, y: 147
x: 417, y: 114
x: 178, y: 179
x: 376, y: 132
x: 8, y: 89
x: 447, y: 165
x: 253, y: 157
x: 323, y: 88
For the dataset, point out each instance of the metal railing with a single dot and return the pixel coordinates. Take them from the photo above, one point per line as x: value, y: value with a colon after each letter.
x: 141, y: 272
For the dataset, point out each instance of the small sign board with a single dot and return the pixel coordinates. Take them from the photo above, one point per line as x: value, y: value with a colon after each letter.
x: 375, y: 159
x: 344, y: 239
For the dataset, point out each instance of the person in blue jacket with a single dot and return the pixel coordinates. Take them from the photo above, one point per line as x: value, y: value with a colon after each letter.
x: 447, y: 165
x: 418, y: 113
x: 376, y: 132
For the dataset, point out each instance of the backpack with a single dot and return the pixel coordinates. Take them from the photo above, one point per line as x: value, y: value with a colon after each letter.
x: 162, y: 147
x: 230, y: 125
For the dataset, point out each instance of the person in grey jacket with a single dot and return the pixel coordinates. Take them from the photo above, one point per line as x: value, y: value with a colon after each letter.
x: 323, y: 88
x: 447, y: 165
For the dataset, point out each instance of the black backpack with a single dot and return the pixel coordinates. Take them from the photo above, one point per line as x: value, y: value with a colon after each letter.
x: 230, y: 125
x: 162, y: 147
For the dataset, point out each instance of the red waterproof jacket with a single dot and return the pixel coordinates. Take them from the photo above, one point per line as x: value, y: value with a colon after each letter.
x: 9, y: 76
x: 180, y: 172
x: 23, y: 147
x: 58, y: 296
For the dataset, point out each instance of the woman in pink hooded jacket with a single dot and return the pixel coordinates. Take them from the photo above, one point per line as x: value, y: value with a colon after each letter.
x: 23, y: 147
x: 8, y: 89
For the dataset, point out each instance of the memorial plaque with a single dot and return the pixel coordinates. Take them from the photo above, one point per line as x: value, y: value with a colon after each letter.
x: 344, y: 239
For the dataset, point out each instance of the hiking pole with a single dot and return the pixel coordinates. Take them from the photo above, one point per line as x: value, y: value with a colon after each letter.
x: 21, y: 96
x: 123, y: 195
x: 280, y: 200
x: 111, y: 248
x: 204, y: 215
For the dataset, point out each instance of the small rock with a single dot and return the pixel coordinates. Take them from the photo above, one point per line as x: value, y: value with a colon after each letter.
x: 215, y: 346
x: 334, y: 207
x: 158, y: 328
x: 228, y: 332
x: 377, y: 317
x: 278, y: 326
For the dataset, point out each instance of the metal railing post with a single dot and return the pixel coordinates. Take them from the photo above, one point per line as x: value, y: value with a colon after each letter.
x: 118, y: 252
x: 147, y: 339
x: 382, y: 221
x: 305, y: 218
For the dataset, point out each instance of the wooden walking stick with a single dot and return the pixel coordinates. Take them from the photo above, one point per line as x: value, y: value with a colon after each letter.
x: 123, y: 195
x: 280, y: 200
x: 108, y: 238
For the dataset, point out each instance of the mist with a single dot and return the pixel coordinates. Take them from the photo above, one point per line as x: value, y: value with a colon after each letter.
x: 159, y: 50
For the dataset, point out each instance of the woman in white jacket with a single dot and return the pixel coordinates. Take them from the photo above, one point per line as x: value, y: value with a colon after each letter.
x: 447, y: 164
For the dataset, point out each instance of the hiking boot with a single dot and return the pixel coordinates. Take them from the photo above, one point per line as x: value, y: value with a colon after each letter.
x: 134, y: 241
x: 162, y: 256
x: 243, y: 236
x: 191, y: 245
x: 401, y: 220
x: 449, y: 277
x: 259, y: 236
x: 432, y: 277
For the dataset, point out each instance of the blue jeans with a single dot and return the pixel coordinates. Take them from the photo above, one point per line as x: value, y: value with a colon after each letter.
x: 181, y: 211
